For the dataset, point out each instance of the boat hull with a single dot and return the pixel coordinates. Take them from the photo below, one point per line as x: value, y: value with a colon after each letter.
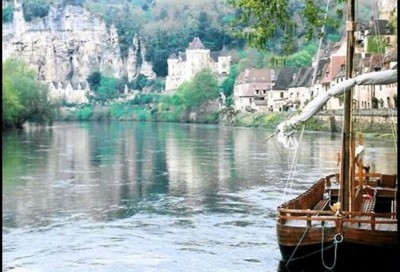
x: 348, y: 256
x: 309, y: 232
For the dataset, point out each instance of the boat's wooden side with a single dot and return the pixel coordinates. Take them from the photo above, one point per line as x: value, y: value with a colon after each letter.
x: 377, y: 238
x: 289, y: 235
x: 306, y: 224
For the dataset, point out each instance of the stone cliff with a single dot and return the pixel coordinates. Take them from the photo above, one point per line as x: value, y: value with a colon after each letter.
x: 69, y: 44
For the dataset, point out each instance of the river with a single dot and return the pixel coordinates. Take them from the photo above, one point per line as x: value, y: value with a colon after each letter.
x: 127, y: 196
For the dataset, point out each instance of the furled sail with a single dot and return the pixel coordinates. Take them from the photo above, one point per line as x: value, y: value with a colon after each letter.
x: 285, y: 129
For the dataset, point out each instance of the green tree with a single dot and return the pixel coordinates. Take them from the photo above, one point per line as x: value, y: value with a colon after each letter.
x: 23, y: 97
x: 139, y: 82
x: 35, y: 9
x: 376, y: 44
x: 94, y: 80
x: 259, y: 21
x: 203, y: 87
x: 108, y: 88
x: 229, y: 83
x: 10, y: 102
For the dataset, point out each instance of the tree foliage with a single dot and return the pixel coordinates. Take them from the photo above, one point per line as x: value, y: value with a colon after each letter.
x: 108, y: 88
x: 190, y: 95
x: 228, y: 84
x: 94, y: 80
x: 203, y: 87
x: 259, y: 21
x: 376, y: 45
x: 23, y: 97
x: 35, y: 9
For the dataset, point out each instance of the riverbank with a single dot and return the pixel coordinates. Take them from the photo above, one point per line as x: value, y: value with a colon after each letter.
x: 377, y: 123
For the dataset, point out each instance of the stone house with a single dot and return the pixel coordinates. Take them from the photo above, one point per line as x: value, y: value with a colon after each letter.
x: 299, y: 89
x: 295, y: 88
x: 70, y: 92
x: 329, y: 76
x: 279, y: 92
x: 382, y: 29
x: 184, y: 66
x: 316, y: 85
x: 251, y: 90
x: 373, y: 96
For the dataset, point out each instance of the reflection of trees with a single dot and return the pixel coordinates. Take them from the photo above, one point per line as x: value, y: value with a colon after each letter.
x: 138, y: 164
x: 12, y: 160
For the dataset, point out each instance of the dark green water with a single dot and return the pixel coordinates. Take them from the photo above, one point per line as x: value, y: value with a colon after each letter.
x: 153, y: 196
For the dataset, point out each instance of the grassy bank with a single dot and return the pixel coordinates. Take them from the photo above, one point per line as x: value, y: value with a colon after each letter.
x: 268, y: 120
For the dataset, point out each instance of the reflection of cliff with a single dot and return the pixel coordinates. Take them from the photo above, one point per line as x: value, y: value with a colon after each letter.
x: 68, y: 44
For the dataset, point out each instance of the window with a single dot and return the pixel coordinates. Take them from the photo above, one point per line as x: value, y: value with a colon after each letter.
x: 281, y: 95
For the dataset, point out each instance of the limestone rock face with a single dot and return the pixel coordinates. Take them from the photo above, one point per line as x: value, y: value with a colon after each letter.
x: 69, y: 44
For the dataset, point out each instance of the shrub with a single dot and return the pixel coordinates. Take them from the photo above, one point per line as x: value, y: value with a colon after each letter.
x: 84, y: 114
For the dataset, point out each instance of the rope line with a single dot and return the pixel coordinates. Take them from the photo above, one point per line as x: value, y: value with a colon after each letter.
x: 336, y: 241
x: 297, y: 246
x: 289, y: 180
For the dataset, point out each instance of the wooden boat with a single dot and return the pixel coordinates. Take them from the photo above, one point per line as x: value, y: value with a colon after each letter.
x: 348, y: 217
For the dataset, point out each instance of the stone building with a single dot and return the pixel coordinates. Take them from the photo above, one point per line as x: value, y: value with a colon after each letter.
x: 184, y: 66
x: 251, y: 89
x: 279, y: 92
x: 69, y: 92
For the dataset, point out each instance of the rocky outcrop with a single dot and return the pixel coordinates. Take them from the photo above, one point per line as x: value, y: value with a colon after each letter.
x: 69, y: 44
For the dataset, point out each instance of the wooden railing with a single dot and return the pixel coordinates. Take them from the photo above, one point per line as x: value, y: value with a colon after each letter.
x: 345, y: 217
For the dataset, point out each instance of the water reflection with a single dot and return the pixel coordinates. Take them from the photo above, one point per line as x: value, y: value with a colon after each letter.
x: 153, y: 197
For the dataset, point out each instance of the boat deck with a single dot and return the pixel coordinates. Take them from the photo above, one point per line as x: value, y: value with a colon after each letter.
x: 364, y: 226
x: 377, y: 226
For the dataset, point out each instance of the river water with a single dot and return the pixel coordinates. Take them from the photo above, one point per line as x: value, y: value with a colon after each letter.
x: 126, y: 196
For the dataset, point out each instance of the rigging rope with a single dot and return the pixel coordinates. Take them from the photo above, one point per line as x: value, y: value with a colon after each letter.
x: 297, y: 246
x: 380, y: 48
x: 314, y: 78
x: 292, y: 169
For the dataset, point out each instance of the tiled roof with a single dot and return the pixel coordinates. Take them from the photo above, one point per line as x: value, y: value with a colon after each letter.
x: 303, y: 78
x: 391, y: 55
x: 284, y: 78
x: 333, y: 69
x: 196, y: 44
x: 74, y: 84
x: 255, y: 75
x: 376, y: 62
x: 173, y: 56
x: 214, y: 56
x: 182, y: 55
x: 224, y: 52
x: 320, y: 69
x: 380, y: 27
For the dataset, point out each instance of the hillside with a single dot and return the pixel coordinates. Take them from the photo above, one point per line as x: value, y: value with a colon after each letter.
x: 138, y: 31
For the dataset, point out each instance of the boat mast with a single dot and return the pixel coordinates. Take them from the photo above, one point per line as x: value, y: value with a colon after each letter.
x: 347, y: 163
